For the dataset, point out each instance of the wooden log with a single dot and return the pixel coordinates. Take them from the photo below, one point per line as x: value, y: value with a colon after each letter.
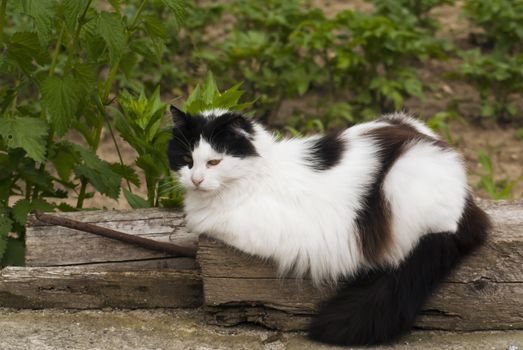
x: 48, y: 245
x: 92, y: 288
x: 74, y: 269
x: 486, y: 292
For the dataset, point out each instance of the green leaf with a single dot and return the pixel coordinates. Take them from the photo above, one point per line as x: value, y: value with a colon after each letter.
x: 71, y: 10
x: 207, y: 96
x: 20, y: 210
x: 98, y: 172
x: 135, y: 201
x: 26, y: 133
x: 64, y: 157
x: 155, y: 27
x: 488, y: 109
x: 23, y: 207
x: 150, y: 165
x: 229, y: 98
x: 126, y: 172
x: 506, y: 190
x: 42, y: 205
x: 42, y: 13
x: 66, y: 208
x: 179, y: 8
x: 210, y: 89
x: 485, y: 161
x: 85, y: 75
x: 23, y: 49
x: 61, y: 97
x: 112, y: 31
x: 194, y: 103
x: 115, y: 4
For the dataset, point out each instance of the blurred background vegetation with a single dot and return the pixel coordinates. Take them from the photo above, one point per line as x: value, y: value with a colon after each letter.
x: 85, y: 85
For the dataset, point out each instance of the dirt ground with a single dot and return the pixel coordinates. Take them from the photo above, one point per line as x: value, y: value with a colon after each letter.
x: 186, y: 329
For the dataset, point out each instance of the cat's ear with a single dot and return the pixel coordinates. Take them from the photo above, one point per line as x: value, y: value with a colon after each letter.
x: 241, y: 126
x: 179, y: 117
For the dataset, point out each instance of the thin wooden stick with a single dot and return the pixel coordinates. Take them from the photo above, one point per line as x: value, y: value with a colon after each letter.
x: 164, y: 247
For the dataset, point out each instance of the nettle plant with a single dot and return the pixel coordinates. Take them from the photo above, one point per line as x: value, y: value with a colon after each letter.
x: 61, y: 63
x: 495, y: 68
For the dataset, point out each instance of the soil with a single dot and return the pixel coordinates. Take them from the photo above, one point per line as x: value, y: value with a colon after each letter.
x: 186, y: 329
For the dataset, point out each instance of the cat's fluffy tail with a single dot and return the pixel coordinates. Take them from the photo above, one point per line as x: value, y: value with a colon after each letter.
x: 379, y: 306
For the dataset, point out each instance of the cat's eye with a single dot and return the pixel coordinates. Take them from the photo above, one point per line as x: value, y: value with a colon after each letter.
x: 187, y: 158
x: 214, y: 162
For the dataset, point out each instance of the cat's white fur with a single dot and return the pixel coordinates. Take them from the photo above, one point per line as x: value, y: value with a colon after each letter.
x: 275, y: 206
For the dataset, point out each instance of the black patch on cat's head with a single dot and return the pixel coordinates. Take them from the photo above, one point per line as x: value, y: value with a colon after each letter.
x: 325, y: 152
x: 229, y: 133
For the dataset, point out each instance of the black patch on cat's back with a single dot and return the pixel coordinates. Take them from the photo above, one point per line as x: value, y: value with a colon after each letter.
x: 374, y: 220
x: 325, y: 152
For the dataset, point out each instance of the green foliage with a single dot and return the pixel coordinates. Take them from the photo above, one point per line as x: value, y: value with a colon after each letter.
x: 285, y: 49
x: 495, y: 189
x: 496, y: 70
x: 497, y: 78
x: 439, y: 123
x: 207, y: 96
x: 62, y: 65
x: 26, y: 133
x: 139, y: 122
x: 61, y: 97
x: 501, y: 22
x: 415, y: 12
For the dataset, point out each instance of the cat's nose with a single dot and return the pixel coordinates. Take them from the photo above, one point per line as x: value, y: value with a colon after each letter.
x: 196, y: 182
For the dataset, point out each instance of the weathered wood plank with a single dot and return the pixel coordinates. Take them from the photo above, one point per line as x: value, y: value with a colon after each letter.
x: 92, y: 288
x: 486, y: 292
x: 59, y: 246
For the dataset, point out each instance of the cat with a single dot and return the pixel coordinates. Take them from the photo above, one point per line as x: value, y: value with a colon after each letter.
x: 383, y: 205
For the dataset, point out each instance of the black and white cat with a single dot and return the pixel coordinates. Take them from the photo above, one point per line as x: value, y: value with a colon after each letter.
x: 383, y: 205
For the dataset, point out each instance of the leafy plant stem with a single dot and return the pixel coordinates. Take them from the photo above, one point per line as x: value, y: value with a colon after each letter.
x: 52, y: 68
x: 106, y: 117
x: 109, y: 82
x: 137, y: 15
x: 81, y: 195
x: 150, y: 191
x: 27, y: 190
x: 116, y: 66
x: 56, y: 52
x: 74, y: 45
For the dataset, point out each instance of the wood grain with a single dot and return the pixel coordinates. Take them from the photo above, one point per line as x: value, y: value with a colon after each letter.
x: 49, y: 245
x: 73, y: 269
x: 93, y: 288
x: 486, y: 292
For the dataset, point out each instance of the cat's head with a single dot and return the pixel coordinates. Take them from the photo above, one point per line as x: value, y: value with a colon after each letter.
x: 211, y: 150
